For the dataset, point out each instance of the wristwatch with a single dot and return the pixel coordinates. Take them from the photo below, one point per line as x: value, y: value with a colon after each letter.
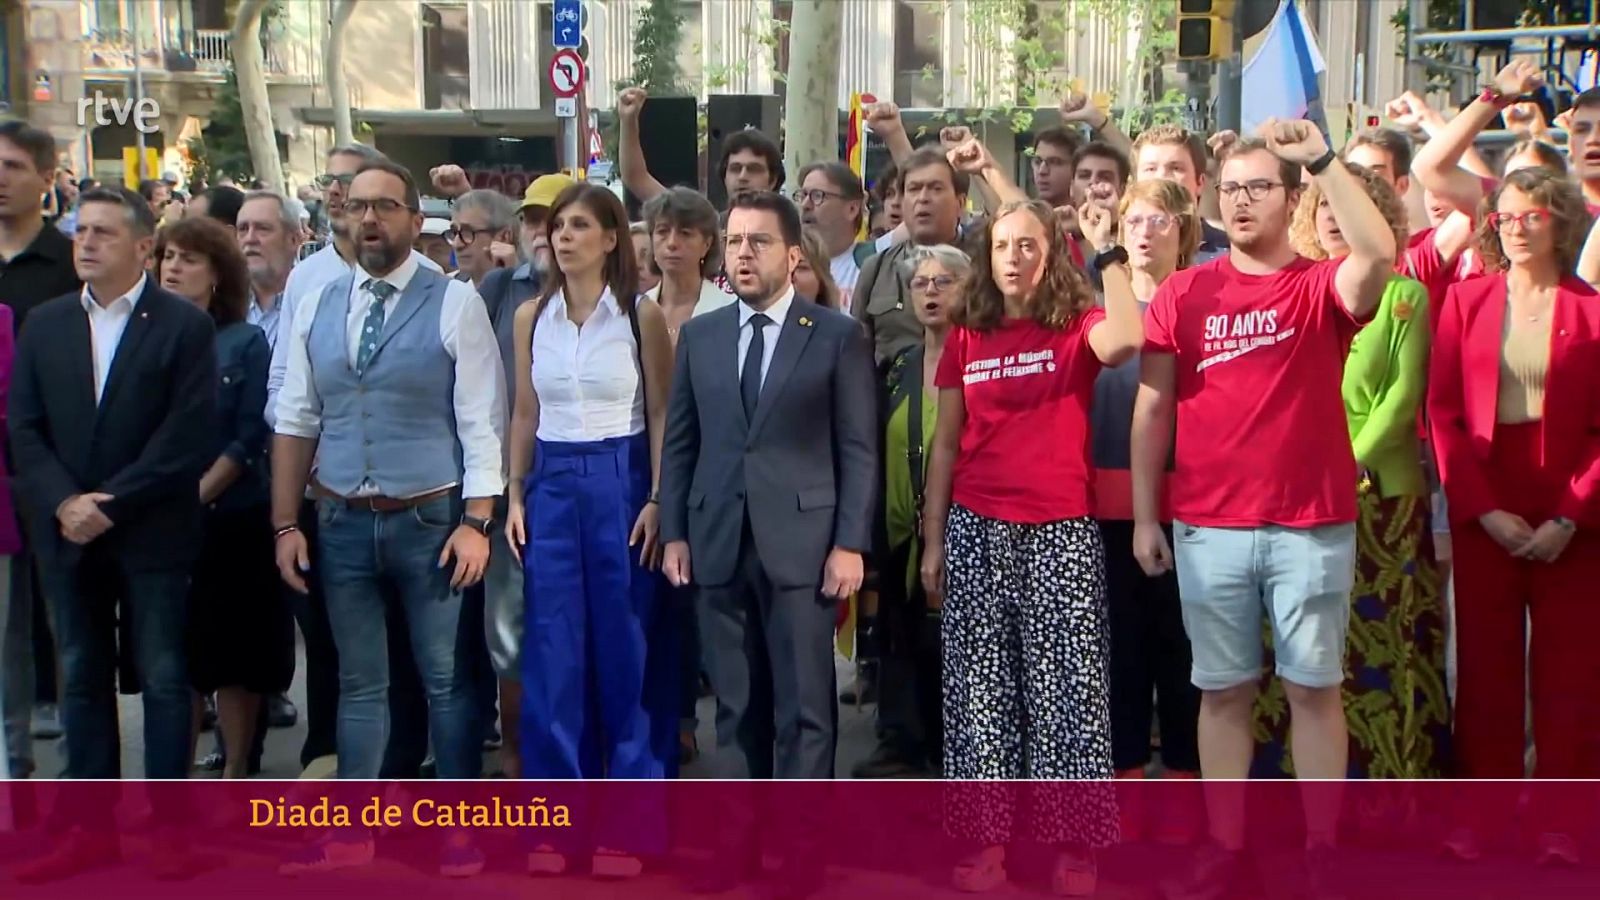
x: 1109, y: 256
x: 481, y: 526
x: 1564, y: 522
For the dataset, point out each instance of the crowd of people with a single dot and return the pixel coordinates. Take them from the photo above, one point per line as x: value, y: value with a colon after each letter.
x: 1185, y: 435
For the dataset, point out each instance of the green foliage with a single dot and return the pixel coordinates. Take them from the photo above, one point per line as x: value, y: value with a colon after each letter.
x: 1445, y: 62
x: 222, y: 149
x: 656, y: 37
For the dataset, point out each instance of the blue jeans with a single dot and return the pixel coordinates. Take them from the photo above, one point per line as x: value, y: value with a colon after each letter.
x: 364, y: 556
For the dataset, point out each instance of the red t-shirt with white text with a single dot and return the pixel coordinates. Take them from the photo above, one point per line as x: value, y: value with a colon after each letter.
x: 1024, y: 453
x: 1262, y: 438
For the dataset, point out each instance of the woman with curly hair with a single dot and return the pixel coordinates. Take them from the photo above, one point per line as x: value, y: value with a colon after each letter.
x: 1395, y: 701
x: 1514, y: 400
x: 1011, y: 542
x: 239, y: 620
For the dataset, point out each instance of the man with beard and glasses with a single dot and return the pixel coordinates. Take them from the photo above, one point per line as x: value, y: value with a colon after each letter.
x: 768, y: 480
x: 395, y: 387
x: 932, y: 197
x: 307, y: 280
x: 1248, y: 351
x: 831, y: 200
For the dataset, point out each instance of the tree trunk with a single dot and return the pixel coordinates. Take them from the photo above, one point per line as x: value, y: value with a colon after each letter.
x: 811, y: 105
x: 338, y: 88
x: 249, y: 65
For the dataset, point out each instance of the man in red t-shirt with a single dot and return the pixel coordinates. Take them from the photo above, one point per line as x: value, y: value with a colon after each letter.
x: 1248, y: 352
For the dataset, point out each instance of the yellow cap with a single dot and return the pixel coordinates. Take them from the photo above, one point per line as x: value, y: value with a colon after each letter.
x: 545, y: 189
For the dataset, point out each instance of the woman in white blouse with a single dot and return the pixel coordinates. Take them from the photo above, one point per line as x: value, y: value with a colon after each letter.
x: 593, y: 363
x: 683, y: 247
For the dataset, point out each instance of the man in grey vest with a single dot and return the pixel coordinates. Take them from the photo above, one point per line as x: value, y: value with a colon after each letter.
x: 395, y: 387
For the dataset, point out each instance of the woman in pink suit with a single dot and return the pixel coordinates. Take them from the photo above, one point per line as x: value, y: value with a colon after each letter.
x: 1514, y: 400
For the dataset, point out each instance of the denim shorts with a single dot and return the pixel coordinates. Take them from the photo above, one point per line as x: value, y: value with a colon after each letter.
x: 1300, y: 577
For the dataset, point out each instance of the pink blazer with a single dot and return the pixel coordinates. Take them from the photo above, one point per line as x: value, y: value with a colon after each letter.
x: 1464, y: 386
x: 10, y: 536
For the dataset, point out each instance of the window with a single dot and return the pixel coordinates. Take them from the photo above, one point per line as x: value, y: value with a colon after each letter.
x: 446, y: 62
x: 919, y: 53
x: 1042, y: 53
x: 691, y: 52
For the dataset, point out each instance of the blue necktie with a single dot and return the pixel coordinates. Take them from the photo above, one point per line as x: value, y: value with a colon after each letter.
x: 372, y: 328
x: 750, y: 375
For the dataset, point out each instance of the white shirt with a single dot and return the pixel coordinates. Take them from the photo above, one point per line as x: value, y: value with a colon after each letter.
x: 467, y: 336
x: 777, y: 312
x: 307, y: 279
x: 586, y: 379
x: 712, y: 297
x: 845, y: 274
x: 106, y: 327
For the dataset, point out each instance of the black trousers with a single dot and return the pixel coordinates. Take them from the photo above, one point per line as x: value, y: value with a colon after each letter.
x: 910, y: 691
x: 1150, y: 660
x: 769, y: 652
x: 408, y: 705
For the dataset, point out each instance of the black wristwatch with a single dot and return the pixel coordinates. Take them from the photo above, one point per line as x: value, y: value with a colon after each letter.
x: 1109, y: 256
x: 481, y: 526
x: 1320, y: 164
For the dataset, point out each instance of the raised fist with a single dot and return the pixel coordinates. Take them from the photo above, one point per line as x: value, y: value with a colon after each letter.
x: 883, y: 118
x: 1218, y: 143
x: 970, y: 156
x: 1096, y: 222
x: 1407, y: 110
x: 449, y: 180
x: 953, y: 136
x: 1519, y: 77
x: 1295, y: 140
x: 1525, y: 118
x: 1077, y: 107
x: 630, y: 102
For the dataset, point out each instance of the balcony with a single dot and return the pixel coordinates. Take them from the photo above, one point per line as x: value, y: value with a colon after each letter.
x: 207, y: 52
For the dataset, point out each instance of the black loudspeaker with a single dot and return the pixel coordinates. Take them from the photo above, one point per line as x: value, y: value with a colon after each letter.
x: 729, y: 114
x: 670, y: 135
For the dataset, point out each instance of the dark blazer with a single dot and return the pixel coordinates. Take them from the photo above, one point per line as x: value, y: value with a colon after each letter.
x: 242, y: 360
x: 1464, y: 389
x: 147, y: 443
x: 804, y: 471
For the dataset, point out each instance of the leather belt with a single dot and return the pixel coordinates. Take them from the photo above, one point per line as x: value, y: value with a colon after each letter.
x: 378, y: 504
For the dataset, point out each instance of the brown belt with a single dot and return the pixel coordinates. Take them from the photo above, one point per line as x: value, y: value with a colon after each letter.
x: 377, y: 504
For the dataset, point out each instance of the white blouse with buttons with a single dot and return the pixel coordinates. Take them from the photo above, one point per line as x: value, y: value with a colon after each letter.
x: 587, y: 379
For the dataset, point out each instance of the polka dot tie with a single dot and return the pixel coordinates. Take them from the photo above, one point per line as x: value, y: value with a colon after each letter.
x: 372, y: 328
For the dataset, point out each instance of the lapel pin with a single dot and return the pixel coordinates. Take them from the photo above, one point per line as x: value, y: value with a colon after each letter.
x: 805, y: 322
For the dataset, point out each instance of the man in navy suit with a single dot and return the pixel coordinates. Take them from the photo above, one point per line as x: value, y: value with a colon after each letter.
x: 113, y: 409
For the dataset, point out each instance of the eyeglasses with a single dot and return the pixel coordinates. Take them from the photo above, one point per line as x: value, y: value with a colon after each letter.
x: 383, y: 206
x: 1533, y: 218
x: 1157, y: 222
x: 758, y: 242
x: 465, y: 233
x: 1050, y: 162
x: 328, y: 178
x: 938, y: 284
x: 817, y: 196
x: 753, y: 169
x: 1256, y: 190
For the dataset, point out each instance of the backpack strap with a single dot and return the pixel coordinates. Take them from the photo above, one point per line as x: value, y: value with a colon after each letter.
x: 912, y: 382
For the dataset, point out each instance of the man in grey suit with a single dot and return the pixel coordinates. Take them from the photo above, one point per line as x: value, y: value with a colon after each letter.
x: 768, y: 479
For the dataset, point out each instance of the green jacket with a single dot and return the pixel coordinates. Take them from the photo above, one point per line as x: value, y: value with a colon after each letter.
x: 1385, y: 379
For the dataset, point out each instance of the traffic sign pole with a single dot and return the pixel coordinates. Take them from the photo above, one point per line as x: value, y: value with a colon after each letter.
x: 567, y: 75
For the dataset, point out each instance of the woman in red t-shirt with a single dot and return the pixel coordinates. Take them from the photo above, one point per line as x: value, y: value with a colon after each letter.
x: 1009, y: 505
x: 1514, y: 401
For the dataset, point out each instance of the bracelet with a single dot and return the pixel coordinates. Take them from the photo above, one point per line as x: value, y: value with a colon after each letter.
x: 1321, y: 163
x: 287, y: 529
x: 652, y: 500
x: 1494, y: 97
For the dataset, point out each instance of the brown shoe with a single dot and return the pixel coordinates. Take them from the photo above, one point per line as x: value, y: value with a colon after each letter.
x: 78, y: 852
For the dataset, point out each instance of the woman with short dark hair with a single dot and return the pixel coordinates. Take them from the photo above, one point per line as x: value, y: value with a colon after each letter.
x: 238, y: 619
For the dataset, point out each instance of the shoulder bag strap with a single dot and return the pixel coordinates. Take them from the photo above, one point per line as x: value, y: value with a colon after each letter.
x: 913, y: 391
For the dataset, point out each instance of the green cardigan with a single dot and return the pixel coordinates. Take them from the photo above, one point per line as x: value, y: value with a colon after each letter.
x: 1385, y: 378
